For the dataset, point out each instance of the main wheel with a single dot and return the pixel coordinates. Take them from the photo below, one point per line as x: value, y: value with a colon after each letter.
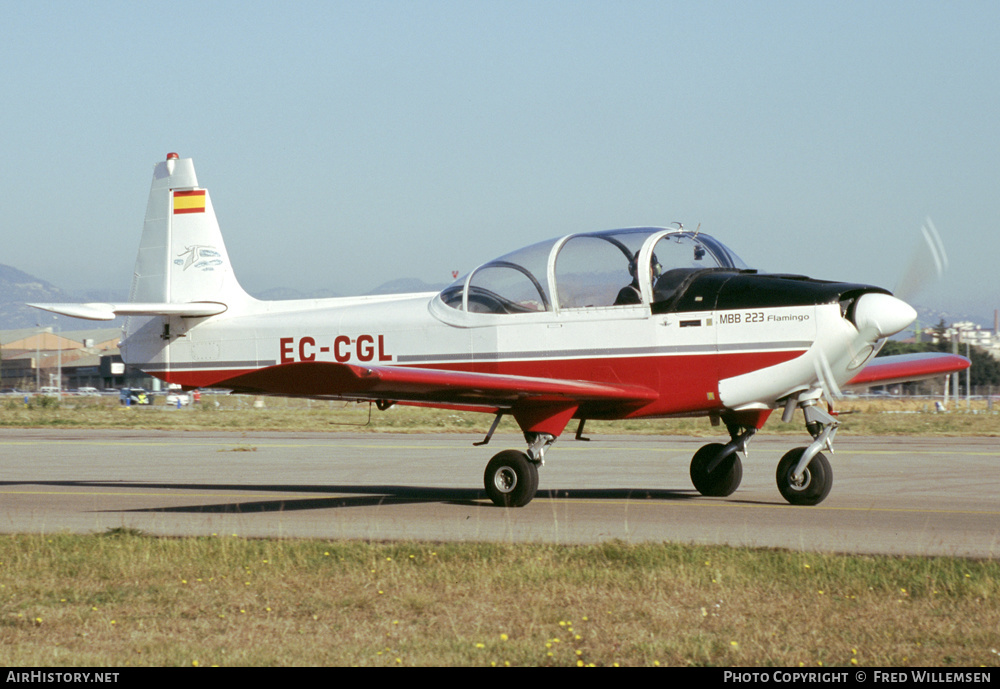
x: 721, y: 481
x: 511, y: 479
x: 814, y: 484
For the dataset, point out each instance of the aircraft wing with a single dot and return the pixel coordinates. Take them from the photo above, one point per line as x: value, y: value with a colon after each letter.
x: 903, y: 368
x: 426, y: 385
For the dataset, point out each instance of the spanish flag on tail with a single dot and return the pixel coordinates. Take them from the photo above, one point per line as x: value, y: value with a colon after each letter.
x: 189, y: 201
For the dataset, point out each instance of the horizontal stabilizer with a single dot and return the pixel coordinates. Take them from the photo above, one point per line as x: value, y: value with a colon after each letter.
x: 903, y: 368
x: 108, y: 312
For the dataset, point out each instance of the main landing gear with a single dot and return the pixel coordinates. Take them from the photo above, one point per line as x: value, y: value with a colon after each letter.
x: 511, y: 477
x: 804, y: 475
x: 716, y: 469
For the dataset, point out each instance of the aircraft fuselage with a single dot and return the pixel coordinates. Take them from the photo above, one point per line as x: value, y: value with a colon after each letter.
x: 698, y: 361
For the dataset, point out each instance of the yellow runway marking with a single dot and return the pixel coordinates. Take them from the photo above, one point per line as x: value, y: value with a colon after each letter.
x: 236, y: 442
x: 652, y: 502
x: 637, y: 502
x: 334, y: 444
x: 166, y: 493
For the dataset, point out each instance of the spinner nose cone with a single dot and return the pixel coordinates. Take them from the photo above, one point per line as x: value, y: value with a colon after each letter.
x: 882, y: 314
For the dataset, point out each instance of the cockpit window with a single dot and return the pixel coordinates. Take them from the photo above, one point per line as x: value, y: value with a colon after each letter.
x: 592, y: 269
x: 598, y: 269
x: 515, y: 283
x: 681, y: 255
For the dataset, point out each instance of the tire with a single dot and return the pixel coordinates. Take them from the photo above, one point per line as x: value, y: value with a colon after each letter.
x: 511, y: 479
x: 817, y: 478
x: 724, y: 479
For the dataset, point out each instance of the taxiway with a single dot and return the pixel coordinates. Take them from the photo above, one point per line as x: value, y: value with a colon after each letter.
x: 913, y: 496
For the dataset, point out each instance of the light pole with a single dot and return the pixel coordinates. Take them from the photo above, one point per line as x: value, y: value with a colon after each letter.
x: 59, y: 369
x: 968, y: 379
x: 38, y: 357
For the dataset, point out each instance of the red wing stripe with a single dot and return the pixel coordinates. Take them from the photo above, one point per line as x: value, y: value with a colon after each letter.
x: 422, y: 384
x: 906, y: 367
x: 523, y: 385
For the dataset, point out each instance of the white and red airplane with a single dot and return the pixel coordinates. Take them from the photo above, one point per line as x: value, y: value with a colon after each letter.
x: 631, y: 323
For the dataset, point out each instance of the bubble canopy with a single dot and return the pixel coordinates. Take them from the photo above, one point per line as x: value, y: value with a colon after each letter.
x: 589, y: 270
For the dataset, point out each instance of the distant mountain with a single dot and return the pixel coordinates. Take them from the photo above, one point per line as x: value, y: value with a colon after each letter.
x: 287, y: 293
x: 398, y: 286
x: 17, y: 288
x: 927, y: 318
x: 107, y: 296
x: 406, y: 286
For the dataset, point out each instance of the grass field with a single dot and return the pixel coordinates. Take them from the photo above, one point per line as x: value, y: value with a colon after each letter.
x: 124, y: 599
x: 894, y: 416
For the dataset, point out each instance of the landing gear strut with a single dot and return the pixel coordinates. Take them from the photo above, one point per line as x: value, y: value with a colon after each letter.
x: 804, y: 475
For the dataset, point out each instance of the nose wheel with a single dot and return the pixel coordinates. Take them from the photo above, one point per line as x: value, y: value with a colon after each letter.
x: 811, y: 485
x: 804, y: 475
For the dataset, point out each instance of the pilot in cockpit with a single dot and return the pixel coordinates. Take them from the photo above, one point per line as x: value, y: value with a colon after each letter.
x: 630, y: 293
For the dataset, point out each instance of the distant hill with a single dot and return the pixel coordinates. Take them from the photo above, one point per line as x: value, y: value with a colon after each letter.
x: 930, y: 317
x: 17, y: 288
x: 398, y: 286
x: 288, y: 293
x: 406, y: 286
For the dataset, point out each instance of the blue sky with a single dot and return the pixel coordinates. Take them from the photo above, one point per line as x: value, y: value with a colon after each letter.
x: 349, y: 143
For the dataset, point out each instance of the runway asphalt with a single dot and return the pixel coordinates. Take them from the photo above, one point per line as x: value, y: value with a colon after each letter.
x: 912, y: 496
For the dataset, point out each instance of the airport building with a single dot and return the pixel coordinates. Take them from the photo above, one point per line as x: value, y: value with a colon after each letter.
x: 967, y: 333
x: 35, y: 358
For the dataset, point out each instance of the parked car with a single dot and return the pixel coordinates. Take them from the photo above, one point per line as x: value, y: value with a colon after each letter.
x: 178, y: 398
x: 88, y: 392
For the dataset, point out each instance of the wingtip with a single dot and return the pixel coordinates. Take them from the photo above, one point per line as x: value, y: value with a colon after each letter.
x: 90, y: 312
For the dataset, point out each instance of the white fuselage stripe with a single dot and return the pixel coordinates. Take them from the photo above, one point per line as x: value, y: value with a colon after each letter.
x: 514, y: 356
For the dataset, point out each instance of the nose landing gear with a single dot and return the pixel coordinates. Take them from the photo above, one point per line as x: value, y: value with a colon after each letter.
x: 804, y: 475
x: 811, y: 485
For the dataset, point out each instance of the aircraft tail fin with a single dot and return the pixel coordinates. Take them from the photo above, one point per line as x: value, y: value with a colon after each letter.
x: 182, y: 268
x: 182, y: 257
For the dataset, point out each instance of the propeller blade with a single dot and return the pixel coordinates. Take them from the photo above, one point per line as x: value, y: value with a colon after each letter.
x: 927, y: 263
x: 827, y: 383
